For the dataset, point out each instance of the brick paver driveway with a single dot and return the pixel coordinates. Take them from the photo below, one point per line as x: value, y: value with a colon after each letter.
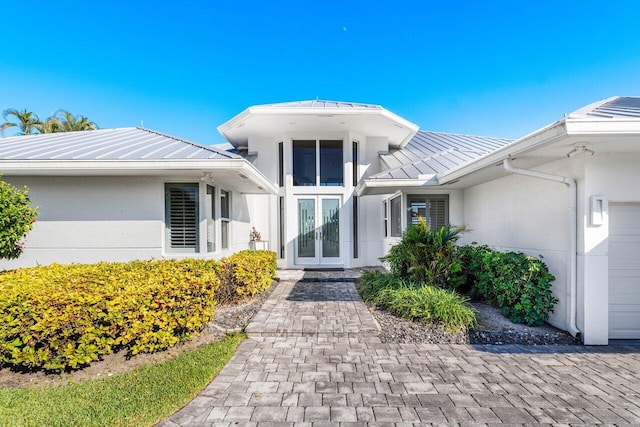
x: 296, y: 370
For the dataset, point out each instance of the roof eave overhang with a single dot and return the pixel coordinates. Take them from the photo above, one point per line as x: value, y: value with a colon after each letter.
x: 590, y: 126
x: 385, y: 186
x: 237, y: 121
x: 260, y: 183
x: 542, y: 137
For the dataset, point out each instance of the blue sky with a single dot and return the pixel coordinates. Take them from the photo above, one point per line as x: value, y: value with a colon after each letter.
x: 499, y: 68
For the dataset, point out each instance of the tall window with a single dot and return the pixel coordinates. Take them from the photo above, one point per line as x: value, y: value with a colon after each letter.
x: 385, y: 214
x: 211, y: 219
x: 318, y: 163
x: 331, y: 164
x: 181, y: 217
x: 354, y: 158
x: 355, y: 227
x: 281, y: 226
x: 396, y: 217
x: 304, y: 163
x: 225, y: 218
x: 280, y: 164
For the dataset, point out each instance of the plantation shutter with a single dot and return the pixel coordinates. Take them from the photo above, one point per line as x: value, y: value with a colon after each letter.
x: 437, y: 213
x: 182, y: 217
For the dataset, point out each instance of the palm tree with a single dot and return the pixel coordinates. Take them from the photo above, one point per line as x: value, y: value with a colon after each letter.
x: 51, y: 125
x: 70, y: 123
x: 27, y: 121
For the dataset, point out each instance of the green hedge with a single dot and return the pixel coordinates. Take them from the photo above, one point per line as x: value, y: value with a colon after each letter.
x: 519, y: 284
x: 244, y: 274
x: 65, y: 316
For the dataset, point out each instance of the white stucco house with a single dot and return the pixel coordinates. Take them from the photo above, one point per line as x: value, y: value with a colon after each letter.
x: 334, y: 185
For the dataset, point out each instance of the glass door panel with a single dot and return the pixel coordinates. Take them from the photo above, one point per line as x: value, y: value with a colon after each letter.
x: 330, y: 228
x: 306, y: 228
x: 318, y: 225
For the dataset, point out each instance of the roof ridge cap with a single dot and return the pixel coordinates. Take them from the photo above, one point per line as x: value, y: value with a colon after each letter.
x: 186, y: 141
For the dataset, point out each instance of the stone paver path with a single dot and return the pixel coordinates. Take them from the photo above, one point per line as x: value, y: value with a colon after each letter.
x: 294, y: 371
x: 313, y: 309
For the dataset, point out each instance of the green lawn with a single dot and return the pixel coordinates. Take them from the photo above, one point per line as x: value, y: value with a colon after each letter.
x: 139, y: 398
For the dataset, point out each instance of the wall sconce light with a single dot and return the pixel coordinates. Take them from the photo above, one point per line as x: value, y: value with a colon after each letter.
x: 580, y: 149
x: 597, y: 209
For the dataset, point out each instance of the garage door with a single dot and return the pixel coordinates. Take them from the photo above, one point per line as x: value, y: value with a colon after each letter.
x: 624, y: 270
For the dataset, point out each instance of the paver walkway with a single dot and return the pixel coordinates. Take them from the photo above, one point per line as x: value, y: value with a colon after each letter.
x: 300, y: 368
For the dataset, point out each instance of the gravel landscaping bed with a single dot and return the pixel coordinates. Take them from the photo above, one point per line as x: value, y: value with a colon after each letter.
x: 493, y: 328
x: 235, y: 317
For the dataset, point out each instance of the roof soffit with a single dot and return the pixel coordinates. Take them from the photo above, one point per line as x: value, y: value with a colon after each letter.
x: 270, y: 121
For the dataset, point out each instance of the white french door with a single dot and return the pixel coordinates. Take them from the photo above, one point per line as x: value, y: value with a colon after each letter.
x: 318, y: 230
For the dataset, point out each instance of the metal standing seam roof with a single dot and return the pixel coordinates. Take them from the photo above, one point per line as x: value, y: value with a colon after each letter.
x: 430, y: 153
x: 323, y: 105
x: 619, y: 107
x: 133, y: 143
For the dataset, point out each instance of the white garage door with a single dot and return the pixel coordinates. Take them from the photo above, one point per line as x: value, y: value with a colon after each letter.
x: 624, y: 270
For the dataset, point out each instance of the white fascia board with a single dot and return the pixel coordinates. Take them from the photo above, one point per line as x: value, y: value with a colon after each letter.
x: 537, y: 139
x: 136, y: 167
x: 258, y: 178
x: 370, y: 184
x: 234, y: 121
x: 30, y: 167
x: 275, y: 110
x: 603, y: 126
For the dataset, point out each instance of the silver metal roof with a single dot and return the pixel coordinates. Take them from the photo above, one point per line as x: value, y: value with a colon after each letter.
x: 322, y: 104
x: 619, y: 107
x: 133, y: 143
x: 434, y: 152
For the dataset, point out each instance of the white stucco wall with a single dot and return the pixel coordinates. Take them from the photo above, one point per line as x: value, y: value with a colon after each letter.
x: 91, y: 219
x: 614, y: 177
x: 519, y: 213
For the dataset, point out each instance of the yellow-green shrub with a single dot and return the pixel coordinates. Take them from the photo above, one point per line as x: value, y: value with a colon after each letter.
x: 62, y: 316
x: 246, y: 273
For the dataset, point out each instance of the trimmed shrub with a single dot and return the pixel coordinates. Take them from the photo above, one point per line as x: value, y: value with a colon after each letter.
x: 373, y: 281
x: 426, y: 256
x: 472, y: 260
x: 423, y: 303
x: 65, y: 316
x: 519, y: 284
x: 244, y: 274
x: 16, y: 219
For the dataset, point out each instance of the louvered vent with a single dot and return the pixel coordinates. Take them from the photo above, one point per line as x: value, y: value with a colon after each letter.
x: 437, y: 213
x: 182, y: 221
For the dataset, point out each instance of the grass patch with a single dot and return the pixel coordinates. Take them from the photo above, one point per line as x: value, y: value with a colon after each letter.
x: 422, y: 303
x: 139, y: 398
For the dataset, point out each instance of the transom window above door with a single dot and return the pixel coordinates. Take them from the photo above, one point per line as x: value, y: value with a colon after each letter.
x: 318, y: 162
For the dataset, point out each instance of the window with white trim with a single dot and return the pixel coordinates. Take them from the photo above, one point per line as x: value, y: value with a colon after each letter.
x: 211, y: 219
x: 318, y: 162
x: 225, y: 218
x: 432, y: 207
x: 182, y: 217
x: 385, y: 214
x: 396, y: 217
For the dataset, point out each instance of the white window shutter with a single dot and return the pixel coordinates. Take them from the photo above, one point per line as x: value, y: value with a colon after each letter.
x: 437, y: 213
x: 182, y: 205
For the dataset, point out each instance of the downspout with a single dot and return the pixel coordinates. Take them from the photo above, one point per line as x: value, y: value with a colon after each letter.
x: 573, y: 227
